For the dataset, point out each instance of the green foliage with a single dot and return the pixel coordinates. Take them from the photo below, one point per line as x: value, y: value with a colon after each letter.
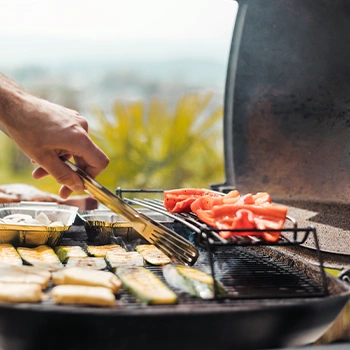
x: 151, y: 145
x: 17, y: 168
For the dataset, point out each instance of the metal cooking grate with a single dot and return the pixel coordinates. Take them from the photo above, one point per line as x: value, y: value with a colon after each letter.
x: 244, y: 274
x: 271, y: 279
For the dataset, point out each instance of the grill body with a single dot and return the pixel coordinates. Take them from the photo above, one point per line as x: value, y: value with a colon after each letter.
x: 279, y: 303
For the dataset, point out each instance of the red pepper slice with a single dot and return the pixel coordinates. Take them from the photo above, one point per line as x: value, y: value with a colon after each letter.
x: 231, y: 211
x: 180, y: 200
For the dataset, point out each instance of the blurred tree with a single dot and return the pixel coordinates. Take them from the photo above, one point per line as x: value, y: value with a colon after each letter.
x: 151, y: 146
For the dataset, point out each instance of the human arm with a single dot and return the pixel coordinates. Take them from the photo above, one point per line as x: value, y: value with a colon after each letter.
x: 46, y: 131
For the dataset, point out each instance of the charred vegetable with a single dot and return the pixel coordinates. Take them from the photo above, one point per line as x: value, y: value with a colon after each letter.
x: 145, y: 285
x: 102, y: 250
x: 191, y: 280
x: 152, y: 254
x: 40, y: 256
x: 114, y: 260
x: 9, y: 255
x: 66, y: 252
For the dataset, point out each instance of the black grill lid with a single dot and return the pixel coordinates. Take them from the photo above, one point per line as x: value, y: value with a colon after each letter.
x: 287, y: 103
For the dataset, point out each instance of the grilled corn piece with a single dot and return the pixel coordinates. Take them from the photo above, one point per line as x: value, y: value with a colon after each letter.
x: 66, y: 252
x: 89, y: 263
x: 145, y: 285
x: 114, y: 260
x: 191, y: 280
x: 9, y: 255
x: 42, y: 256
x: 152, y: 254
x: 102, y: 250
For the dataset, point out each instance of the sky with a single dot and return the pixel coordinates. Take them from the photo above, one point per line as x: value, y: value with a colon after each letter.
x: 34, y: 31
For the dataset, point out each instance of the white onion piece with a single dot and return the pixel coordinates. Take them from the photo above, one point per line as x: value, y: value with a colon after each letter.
x: 43, y: 219
x: 33, y: 222
x: 16, y: 218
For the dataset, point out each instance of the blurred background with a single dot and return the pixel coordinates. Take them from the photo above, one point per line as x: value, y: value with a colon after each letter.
x: 148, y: 75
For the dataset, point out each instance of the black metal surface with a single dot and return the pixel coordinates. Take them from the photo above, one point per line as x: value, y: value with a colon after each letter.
x: 287, y: 106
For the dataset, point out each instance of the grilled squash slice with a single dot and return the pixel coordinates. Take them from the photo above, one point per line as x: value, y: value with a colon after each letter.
x: 87, y: 277
x: 66, y: 252
x: 152, y: 254
x: 42, y: 256
x: 83, y: 295
x: 102, y: 250
x: 145, y: 285
x: 25, y: 274
x: 191, y: 280
x: 9, y: 255
x: 20, y: 292
x: 88, y: 263
x: 114, y: 260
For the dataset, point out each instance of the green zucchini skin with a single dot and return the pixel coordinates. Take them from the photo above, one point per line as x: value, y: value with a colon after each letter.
x: 145, y: 285
x: 192, y: 281
x: 66, y: 252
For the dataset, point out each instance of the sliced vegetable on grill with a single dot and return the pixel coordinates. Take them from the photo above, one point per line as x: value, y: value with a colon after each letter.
x: 66, y: 252
x: 231, y: 211
x: 152, y: 254
x: 180, y: 200
x: 192, y: 281
x: 83, y: 295
x: 89, y: 263
x: 20, y: 292
x: 9, y: 255
x: 87, y: 277
x: 114, y: 260
x: 102, y: 250
x: 145, y: 285
x: 25, y: 274
x: 42, y: 256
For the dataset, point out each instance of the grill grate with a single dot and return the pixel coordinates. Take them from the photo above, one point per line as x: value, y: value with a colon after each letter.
x: 270, y: 280
x: 245, y: 274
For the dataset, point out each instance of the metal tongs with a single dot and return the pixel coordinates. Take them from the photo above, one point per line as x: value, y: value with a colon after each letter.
x: 168, y: 241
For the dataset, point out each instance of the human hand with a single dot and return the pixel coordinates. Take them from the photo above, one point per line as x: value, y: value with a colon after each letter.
x: 45, y: 132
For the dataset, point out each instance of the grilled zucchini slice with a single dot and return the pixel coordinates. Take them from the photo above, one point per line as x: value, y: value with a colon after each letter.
x: 66, y: 252
x: 152, y: 254
x: 102, y: 250
x: 88, y: 263
x: 42, y: 255
x: 87, y: 277
x: 191, y: 280
x: 83, y: 295
x: 25, y: 274
x: 9, y: 255
x: 145, y: 285
x: 114, y: 260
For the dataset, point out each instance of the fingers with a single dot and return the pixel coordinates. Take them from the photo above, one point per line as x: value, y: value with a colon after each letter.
x: 39, y: 173
x: 65, y: 192
x: 51, y: 164
x: 93, y: 161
